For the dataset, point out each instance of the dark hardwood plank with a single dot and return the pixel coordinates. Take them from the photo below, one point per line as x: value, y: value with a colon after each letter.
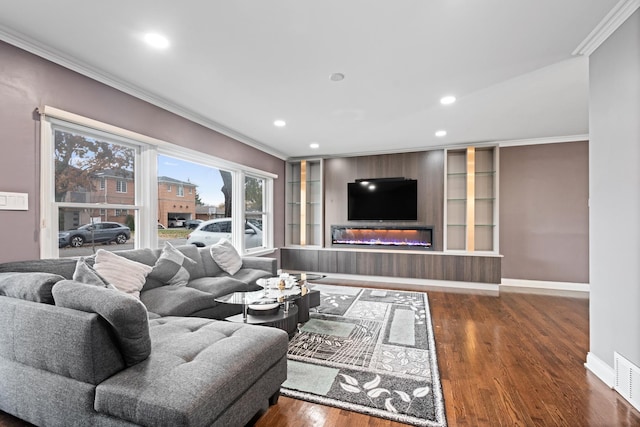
x: 505, y: 359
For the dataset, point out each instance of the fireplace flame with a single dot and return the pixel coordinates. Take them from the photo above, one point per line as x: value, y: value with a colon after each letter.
x: 382, y: 237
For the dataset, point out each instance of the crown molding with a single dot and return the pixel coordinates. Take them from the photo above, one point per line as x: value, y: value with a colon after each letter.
x: 505, y: 143
x: 614, y: 19
x: 539, y: 141
x: 74, y: 64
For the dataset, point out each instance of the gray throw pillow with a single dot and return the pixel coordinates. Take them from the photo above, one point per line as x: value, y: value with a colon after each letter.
x: 226, y: 256
x: 125, y: 313
x: 171, y: 267
x: 86, y: 274
x: 34, y: 287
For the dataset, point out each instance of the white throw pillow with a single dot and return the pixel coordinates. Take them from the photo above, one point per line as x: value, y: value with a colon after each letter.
x: 226, y: 256
x: 126, y: 275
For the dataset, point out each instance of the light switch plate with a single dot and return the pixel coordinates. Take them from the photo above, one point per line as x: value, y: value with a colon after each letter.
x: 14, y: 201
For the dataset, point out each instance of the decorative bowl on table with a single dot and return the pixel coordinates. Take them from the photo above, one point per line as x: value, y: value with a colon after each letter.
x: 263, y: 307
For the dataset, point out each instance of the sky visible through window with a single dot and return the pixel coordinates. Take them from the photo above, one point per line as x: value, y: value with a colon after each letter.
x: 207, y: 178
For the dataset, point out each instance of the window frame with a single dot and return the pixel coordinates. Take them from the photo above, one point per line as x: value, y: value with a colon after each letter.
x: 145, y: 205
x: 121, y: 186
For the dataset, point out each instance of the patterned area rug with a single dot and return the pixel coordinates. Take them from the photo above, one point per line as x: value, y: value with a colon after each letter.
x: 369, y: 351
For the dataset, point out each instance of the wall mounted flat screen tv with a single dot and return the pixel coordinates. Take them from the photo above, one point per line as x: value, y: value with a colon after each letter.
x: 387, y: 199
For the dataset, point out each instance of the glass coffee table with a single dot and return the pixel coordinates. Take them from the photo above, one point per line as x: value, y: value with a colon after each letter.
x: 285, y: 317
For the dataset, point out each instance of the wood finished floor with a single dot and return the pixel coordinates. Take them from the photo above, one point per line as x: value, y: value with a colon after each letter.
x: 513, y: 359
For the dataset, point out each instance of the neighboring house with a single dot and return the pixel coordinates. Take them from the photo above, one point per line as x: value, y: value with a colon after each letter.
x: 176, y: 199
x: 207, y: 212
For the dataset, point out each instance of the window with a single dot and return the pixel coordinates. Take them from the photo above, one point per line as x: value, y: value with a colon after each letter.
x: 254, y: 212
x: 218, y: 227
x: 121, y: 186
x: 213, y: 190
x: 94, y: 173
x: 82, y: 162
x: 169, y: 188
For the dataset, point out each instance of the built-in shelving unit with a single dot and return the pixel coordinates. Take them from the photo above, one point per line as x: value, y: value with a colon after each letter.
x: 471, y: 208
x: 304, y: 195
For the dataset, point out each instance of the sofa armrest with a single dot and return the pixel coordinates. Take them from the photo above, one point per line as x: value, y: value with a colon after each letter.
x: 63, y: 341
x: 269, y: 265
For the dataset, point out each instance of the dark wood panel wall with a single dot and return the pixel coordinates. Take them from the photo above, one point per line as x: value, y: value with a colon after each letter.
x: 429, y: 265
x: 427, y: 167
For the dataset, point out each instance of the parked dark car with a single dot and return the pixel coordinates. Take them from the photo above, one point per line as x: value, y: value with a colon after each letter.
x: 192, y: 223
x: 100, y: 232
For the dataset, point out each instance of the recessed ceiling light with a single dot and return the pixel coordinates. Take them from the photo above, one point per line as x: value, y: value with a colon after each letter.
x: 446, y: 100
x: 280, y: 123
x: 336, y: 77
x: 441, y: 133
x: 156, y: 40
x: 314, y: 145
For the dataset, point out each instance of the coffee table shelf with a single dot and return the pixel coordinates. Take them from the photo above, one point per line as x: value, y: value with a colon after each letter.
x: 288, y: 321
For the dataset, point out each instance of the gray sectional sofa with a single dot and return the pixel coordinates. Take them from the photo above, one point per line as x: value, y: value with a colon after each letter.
x: 84, y: 354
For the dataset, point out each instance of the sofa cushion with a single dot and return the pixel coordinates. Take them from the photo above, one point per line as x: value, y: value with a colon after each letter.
x: 88, y: 275
x: 197, y: 369
x: 219, y: 286
x: 63, y: 266
x: 125, y: 313
x: 29, y: 286
x: 53, y: 343
x: 191, y: 251
x: 126, y: 275
x: 250, y: 276
x: 171, y: 266
x: 144, y: 256
x: 211, y: 268
x: 226, y: 256
x: 176, y: 300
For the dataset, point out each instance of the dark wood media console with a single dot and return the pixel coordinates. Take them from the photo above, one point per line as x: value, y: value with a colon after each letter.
x: 395, y: 263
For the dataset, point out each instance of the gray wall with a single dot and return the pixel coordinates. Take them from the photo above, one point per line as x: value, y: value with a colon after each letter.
x: 28, y: 82
x: 544, y: 214
x: 614, y: 127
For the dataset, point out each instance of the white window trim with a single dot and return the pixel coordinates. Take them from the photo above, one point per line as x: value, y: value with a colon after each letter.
x: 146, y: 189
x: 267, y: 200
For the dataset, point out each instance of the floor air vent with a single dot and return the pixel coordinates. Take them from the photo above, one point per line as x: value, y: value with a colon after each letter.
x: 627, y: 380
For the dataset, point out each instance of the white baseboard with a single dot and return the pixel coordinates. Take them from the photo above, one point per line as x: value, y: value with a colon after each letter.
x: 600, y: 369
x: 424, y: 282
x: 539, y: 284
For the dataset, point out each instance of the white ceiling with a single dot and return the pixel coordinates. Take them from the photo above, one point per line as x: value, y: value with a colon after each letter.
x: 236, y: 66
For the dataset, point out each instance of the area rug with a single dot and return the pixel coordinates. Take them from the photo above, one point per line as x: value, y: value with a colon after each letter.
x: 370, y: 351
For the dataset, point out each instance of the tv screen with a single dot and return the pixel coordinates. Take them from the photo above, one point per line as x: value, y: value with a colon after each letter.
x: 389, y: 199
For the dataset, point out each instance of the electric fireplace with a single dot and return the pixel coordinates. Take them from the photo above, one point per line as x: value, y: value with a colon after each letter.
x: 382, y: 236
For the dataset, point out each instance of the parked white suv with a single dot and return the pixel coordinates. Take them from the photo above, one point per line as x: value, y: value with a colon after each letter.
x: 210, y: 232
